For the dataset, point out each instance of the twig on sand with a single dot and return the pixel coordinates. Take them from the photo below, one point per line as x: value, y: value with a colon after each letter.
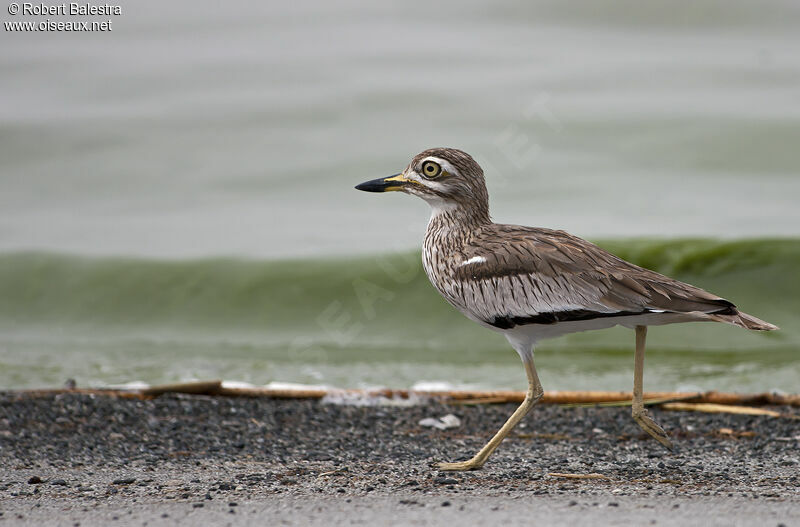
x: 199, y: 387
x: 332, y: 472
x: 593, y: 475
x: 649, y: 400
x: 483, y: 400
x: 720, y: 409
x: 736, y: 433
x: 466, y: 397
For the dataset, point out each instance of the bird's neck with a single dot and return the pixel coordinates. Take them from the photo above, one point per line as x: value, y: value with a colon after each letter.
x: 452, y: 225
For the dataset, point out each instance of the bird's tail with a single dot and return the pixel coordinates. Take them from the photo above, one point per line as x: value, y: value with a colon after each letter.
x: 746, y: 321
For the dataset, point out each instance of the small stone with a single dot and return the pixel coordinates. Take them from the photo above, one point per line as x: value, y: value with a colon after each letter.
x: 613, y: 504
x: 123, y: 481
x: 445, y: 481
x: 445, y: 504
x: 232, y: 504
x: 60, y: 482
x: 35, y: 480
x: 197, y: 505
x: 442, y: 423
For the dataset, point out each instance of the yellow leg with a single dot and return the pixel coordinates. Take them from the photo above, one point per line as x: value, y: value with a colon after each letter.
x: 640, y: 415
x: 532, y: 397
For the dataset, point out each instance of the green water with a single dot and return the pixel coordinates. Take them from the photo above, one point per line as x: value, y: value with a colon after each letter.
x: 371, y: 321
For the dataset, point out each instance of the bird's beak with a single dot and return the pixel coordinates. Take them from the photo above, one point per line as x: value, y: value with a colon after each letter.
x: 385, y: 184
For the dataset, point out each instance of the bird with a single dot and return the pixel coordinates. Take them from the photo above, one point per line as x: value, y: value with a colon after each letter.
x: 531, y: 283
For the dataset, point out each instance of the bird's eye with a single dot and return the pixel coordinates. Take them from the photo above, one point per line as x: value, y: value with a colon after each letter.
x: 430, y: 169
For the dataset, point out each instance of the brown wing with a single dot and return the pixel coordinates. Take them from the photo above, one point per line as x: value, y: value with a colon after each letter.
x: 555, y: 272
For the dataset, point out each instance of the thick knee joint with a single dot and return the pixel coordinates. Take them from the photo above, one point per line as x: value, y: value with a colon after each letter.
x: 535, y: 394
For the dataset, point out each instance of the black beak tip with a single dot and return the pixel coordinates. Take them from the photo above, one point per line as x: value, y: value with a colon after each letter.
x: 376, y: 185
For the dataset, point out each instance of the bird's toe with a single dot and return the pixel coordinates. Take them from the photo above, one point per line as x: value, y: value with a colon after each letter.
x: 459, y: 466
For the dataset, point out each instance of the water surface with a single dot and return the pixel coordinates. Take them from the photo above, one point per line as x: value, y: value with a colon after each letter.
x: 176, y: 196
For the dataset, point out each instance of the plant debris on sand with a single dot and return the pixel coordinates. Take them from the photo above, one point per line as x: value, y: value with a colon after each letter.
x: 200, y: 451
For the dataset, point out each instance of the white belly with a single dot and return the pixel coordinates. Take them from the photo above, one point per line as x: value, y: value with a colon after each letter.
x: 534, y: 333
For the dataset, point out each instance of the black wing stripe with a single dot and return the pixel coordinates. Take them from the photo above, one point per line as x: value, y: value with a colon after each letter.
x: 553, y: 317
x: 574, y: 315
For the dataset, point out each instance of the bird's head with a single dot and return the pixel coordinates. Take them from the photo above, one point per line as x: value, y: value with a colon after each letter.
x: 448, y: 179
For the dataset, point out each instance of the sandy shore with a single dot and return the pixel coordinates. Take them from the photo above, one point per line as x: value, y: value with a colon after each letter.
x: 91, y: 460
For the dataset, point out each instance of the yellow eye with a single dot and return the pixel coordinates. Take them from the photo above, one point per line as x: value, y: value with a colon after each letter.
x: 430, y: 169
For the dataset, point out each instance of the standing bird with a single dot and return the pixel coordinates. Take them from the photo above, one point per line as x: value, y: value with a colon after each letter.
x: 530, y: 283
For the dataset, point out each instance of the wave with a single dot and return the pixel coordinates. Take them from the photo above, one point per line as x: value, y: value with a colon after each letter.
x: 367, y: 302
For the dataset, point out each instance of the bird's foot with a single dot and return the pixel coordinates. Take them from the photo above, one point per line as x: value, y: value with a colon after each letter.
x: 472, y: 464
x: 652, y: 428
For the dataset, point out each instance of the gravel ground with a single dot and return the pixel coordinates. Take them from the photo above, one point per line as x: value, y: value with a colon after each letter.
x: 95, y: 460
